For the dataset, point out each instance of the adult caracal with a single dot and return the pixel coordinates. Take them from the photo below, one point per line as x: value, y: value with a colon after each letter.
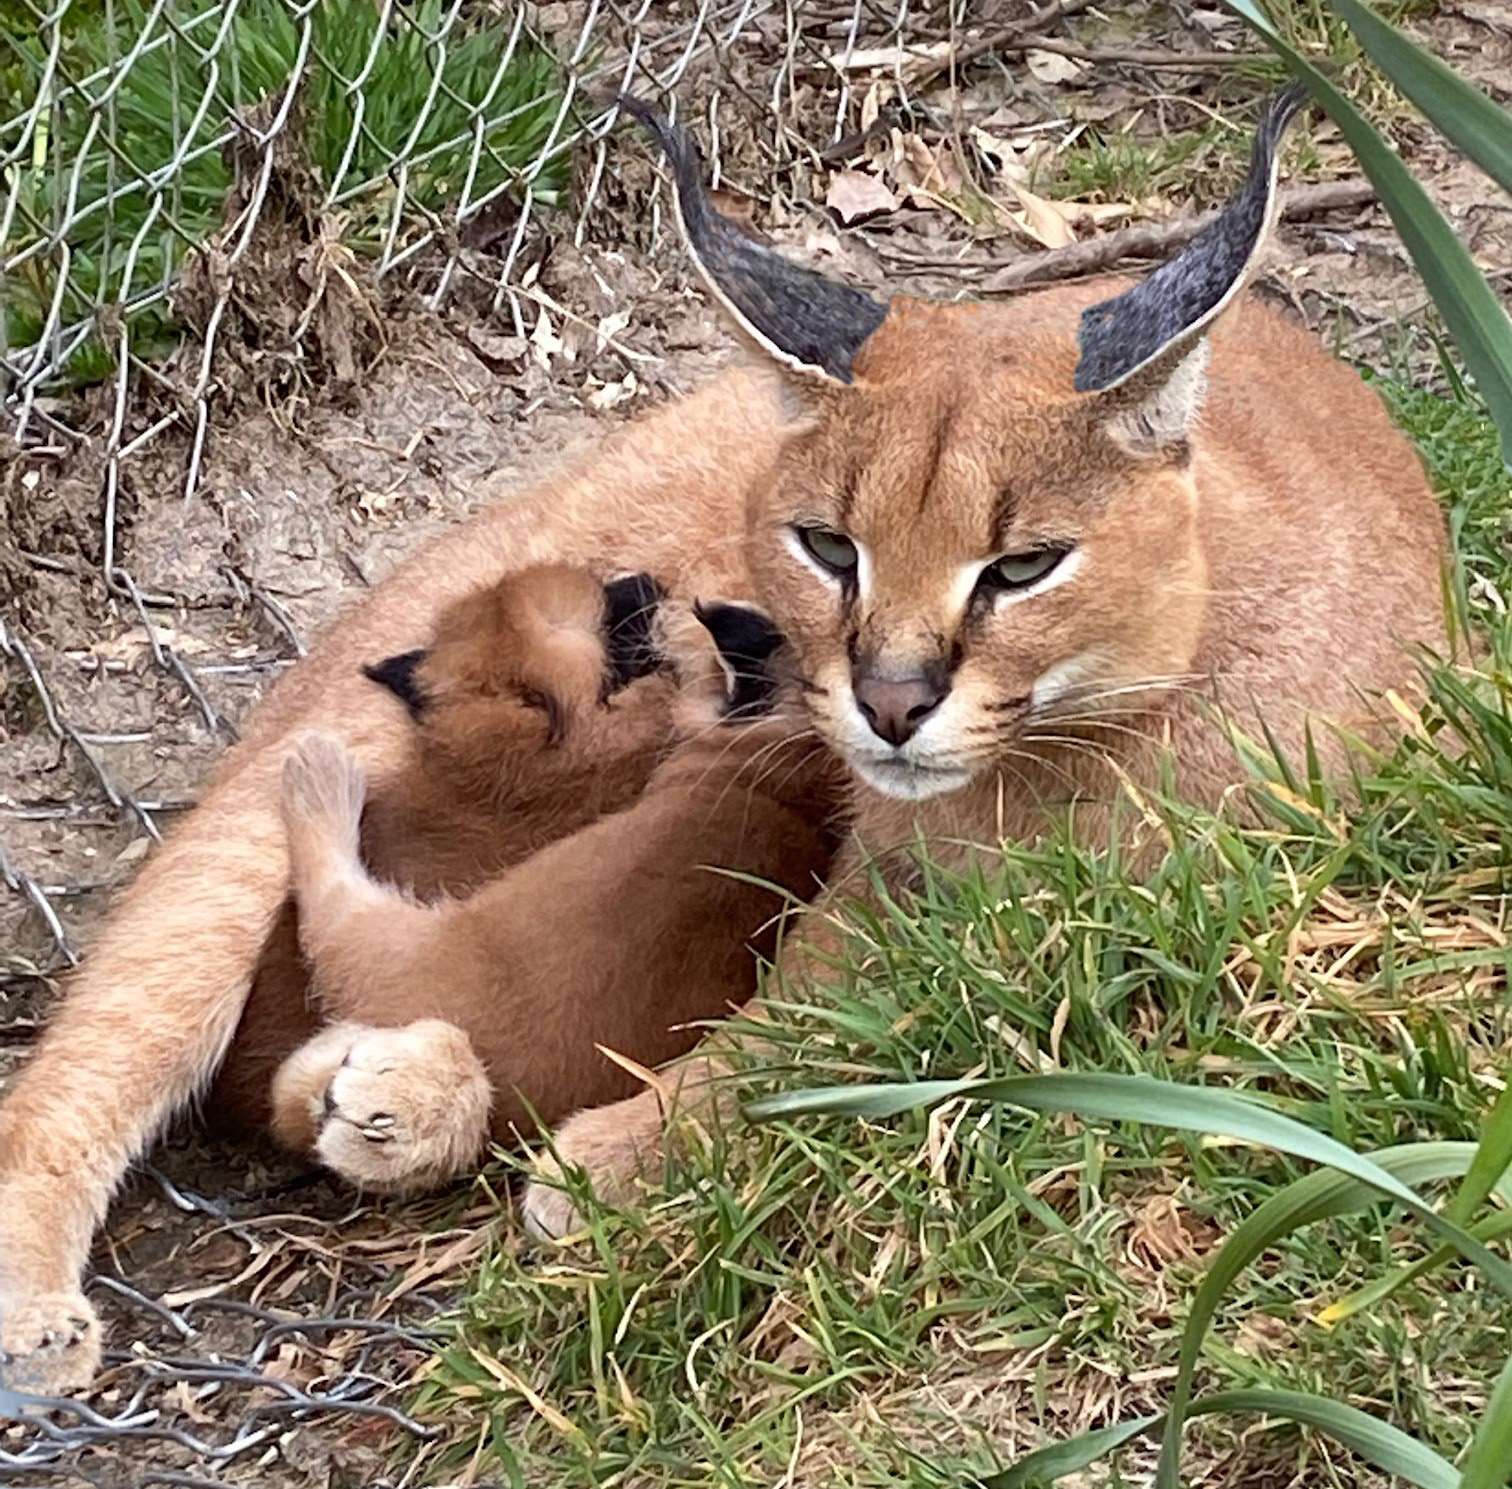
x: 993, y: 533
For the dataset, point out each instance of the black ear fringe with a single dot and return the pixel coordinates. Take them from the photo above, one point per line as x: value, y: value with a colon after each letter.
x: 747, y: 642
x: 397, y: 674
x: 809, y: 323
x: 630, y: 611
x: 1168, y: 310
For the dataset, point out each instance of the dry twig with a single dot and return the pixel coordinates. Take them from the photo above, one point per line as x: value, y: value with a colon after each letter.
x: 1154, y: 239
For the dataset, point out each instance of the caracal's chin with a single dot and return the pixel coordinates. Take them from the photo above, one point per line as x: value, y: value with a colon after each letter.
x: 909, y: 780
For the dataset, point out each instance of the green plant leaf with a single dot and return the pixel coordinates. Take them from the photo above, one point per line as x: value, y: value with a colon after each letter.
x: 1485, y: 1174
x: 1464, y: 115
x: 1493, y: 1155
x: 1046, y: 1465
x: 1134, y: 1098
x: 1492, y: 1229
x: 1488, y: 1465
x: 1470, y: 310
x: 1318, y: 1196
x: 1378, y: 1442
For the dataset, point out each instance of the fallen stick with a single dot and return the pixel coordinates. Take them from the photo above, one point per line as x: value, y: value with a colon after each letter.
x: 1023, y: 36
x: 1153, y: 239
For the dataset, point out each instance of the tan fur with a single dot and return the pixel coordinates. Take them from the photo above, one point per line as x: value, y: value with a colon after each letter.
x: 620, y: 935
x: 517, y: 748
x: 1289, y: 561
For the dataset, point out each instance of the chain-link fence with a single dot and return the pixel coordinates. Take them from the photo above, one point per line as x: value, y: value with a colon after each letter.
x: 229, y: 233
x: 149, y: 152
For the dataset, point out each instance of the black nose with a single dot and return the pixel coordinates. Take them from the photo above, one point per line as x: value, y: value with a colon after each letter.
x: 896, y: 708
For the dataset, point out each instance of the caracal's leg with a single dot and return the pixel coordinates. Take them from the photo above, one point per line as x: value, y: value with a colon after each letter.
x: 403, y: 1107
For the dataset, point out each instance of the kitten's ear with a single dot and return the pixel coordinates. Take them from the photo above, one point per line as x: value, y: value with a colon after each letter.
x: 747, y: 641
x: 810, y: 325
x: 1145, y: 352
x: 397, y: 674
x: 630, y: 606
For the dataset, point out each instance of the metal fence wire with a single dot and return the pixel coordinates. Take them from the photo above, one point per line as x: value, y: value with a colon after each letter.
x: 147, y: 148
x: 156, y: 156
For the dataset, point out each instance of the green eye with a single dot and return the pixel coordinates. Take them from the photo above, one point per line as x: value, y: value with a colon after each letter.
x: 830, y: 550
x: 1019, y: 570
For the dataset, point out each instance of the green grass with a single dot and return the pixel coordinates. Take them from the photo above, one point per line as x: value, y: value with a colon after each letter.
x: 919, y: 1300
x: 418, y: 103
x: 1136, y: 159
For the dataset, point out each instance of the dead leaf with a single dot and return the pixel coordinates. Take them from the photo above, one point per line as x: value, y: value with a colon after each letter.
x: 1045, y: 221
x: 497, y: 352
x: 544, y: 341
x: 923, y: 176
x: 1051, y: 67
x: 854, y: 196
x: 879, y: 93
x: 614, y: 393
x: 1164, y: 1233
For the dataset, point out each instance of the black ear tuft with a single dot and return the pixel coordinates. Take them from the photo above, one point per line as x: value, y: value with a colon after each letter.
x: 747, y: 641
x: 397, y: 674
x: 809, y: 323
x: 630, y: 609
x: 1163, y: 316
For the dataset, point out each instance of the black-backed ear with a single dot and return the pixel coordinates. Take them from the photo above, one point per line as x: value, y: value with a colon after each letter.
x: 629, y: 611
x: 397, y: 674
x: 747, y: 641
x: 1145, y: 351
x: 810, y: 324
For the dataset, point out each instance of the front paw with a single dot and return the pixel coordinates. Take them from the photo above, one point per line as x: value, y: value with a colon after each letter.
x: 612, y: 1145
x: 396, y: 1110
x: 49, y: 1343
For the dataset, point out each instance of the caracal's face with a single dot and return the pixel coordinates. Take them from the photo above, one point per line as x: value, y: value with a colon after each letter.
x: 965, y: 556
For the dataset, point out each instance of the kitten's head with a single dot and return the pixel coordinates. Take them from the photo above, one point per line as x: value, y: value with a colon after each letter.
x: 526, y: 656
x: 982, y: 526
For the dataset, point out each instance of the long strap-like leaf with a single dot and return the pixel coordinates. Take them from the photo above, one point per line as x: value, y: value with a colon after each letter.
x: 1464, y: 115
x: 1470, y: 310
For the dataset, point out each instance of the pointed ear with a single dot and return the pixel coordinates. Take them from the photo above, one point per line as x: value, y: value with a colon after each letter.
x: 397, y: 674
x: 809, y: 324
x: 630, y: 612
x: 747, y: 641
x: 1145, y: 352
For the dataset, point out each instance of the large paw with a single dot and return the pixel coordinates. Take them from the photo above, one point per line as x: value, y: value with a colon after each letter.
x: 613, y: 1145
x: 49, y: 1343
x: 402, y: 1110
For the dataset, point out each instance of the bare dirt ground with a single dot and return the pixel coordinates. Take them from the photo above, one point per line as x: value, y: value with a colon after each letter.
x: 314, y: 486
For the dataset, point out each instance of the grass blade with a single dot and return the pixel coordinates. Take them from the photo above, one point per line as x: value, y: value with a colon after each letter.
x: 1493, y: 1154
x: 1046, y: 1465
x: 1491, y: 1229
x: 1378, y: 1442
x: 1488, y: 1465
x: 1471, y: 311
x: 1133, y: 1098
x: 1318, y: 1196
x: 1492, y: 1157
x: 1464, y: 115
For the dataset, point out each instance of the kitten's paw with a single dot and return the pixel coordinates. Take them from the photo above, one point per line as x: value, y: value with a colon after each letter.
x: 405, y: 1109
x: 322, y: 784
x: 49, y: 1343
x: 613, y: 1145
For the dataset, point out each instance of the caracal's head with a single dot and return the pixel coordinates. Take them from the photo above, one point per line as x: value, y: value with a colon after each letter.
x: 982, y: 529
